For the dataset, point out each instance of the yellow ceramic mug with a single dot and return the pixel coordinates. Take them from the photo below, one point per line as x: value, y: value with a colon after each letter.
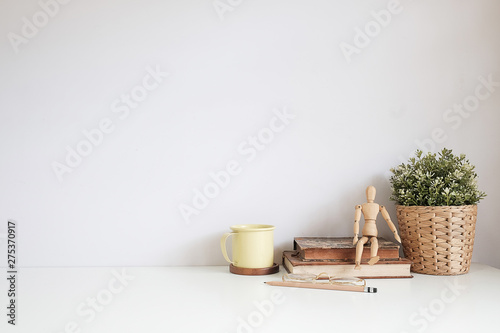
x: 253, y: 245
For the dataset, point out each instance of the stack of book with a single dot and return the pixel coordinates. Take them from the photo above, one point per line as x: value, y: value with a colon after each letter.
x: 335, y: 256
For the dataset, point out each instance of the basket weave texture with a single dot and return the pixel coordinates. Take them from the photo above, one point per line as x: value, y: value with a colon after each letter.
x: 438, y: 239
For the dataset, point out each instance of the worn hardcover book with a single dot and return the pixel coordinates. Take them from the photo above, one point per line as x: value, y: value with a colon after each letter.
x: 314, y: 248
x: 385, y: 268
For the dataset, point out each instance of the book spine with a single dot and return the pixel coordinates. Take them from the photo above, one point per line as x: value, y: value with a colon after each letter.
x: 345, y: 254
x: 367, y: 271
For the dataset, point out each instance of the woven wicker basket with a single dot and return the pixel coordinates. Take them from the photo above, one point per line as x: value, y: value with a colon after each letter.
x: 438, y: 239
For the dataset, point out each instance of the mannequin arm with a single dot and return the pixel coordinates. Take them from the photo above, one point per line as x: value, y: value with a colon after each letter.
x: 387, y: 218
x: 357, y: 217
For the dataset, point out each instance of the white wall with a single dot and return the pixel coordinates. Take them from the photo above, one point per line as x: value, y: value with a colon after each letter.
x: 227, y: 73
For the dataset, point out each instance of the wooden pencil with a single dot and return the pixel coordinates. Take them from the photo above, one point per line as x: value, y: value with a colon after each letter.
x: 326, y: 286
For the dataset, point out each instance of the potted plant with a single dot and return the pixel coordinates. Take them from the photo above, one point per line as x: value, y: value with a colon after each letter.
x: 437, y: 197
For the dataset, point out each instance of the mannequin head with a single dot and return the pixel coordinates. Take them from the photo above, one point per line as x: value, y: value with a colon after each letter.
x: 371, y: 192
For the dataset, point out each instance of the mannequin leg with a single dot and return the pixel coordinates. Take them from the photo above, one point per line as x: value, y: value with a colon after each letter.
x: 359, y: 251
x: 374, y: 258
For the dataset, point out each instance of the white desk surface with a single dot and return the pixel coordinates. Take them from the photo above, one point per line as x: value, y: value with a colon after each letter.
x: 210, y: 299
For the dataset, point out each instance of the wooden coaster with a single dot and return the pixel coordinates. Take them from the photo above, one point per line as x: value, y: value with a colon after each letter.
x: 275, y: 268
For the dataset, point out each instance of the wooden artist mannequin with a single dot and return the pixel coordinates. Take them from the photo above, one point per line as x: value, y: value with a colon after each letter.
x: 370, y: 211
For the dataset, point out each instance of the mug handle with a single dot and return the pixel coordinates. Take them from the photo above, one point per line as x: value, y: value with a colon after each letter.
x: 223, y: 246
